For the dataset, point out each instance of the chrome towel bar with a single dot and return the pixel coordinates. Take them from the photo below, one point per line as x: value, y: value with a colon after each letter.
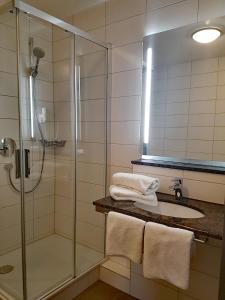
x: 202, y: 240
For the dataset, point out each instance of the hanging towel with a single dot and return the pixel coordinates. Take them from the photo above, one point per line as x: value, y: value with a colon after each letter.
x: 122, y: 193
x: 144, y: 184
x: 167, y: 253
x: 124, y: 236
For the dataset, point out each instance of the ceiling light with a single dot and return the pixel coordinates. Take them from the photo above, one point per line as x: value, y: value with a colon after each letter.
x: 206, y: 35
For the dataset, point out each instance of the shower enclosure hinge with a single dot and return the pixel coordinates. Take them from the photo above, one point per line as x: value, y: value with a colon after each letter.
x: 26, y: 162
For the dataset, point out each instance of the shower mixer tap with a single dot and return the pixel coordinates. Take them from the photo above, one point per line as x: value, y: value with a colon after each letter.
x: 7, y: 147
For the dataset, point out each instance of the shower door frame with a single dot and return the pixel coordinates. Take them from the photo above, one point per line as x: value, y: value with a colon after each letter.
x: 19, y: 5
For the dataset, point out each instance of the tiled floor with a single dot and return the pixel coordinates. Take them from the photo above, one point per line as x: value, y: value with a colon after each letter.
x: 103, y: 291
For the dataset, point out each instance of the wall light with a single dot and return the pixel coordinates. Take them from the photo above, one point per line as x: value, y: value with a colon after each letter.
x: 206, y: 35
x: 147, y: 107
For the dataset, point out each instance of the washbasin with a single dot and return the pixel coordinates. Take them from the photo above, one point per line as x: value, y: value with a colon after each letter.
x: 171, y: 209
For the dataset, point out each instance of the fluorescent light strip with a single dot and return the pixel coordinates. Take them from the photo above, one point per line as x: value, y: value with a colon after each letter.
x: 148, y: 85
x: 31, y: 108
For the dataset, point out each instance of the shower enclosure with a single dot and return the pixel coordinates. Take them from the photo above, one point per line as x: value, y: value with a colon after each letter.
x: 53, y: 92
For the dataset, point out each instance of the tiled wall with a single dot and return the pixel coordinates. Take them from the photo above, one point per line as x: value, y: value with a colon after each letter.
x: 187, y: 110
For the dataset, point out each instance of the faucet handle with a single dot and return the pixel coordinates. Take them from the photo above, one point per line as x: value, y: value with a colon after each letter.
x: 177, y: 183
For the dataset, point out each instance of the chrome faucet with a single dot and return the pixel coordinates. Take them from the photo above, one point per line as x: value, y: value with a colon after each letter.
x: 177, y: 188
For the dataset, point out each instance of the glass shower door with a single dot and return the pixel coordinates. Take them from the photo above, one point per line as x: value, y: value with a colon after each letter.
x: 46, y: 83
x: 11, y: 278
x: 91, y: 78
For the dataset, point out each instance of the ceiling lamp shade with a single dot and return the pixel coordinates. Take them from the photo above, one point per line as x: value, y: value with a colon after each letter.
x: 206, y: 35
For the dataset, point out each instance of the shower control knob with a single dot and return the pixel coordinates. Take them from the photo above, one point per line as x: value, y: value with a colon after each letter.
x: 7, y: 146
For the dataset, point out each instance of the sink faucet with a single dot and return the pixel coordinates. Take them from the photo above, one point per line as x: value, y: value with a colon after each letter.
x: 177, y: 188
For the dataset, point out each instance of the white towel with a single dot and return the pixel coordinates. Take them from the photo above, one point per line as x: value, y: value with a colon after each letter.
x: 143, y: 184
x: 167, y: 253
x: 122, y: 193
x: 124, y: 236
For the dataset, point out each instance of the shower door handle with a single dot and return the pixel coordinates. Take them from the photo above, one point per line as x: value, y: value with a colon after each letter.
x: 26, y: 163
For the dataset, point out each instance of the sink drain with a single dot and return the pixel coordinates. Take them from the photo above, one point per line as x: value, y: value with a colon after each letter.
x: 6, y: 269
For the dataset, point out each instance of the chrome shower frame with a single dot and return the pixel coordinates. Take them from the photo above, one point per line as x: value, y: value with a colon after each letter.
x: 18, y: 6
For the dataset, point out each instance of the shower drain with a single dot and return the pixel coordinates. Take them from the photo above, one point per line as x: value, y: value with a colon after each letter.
x: 6, y: 269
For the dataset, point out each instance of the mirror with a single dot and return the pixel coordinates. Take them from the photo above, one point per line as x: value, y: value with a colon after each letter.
x: 183, y: 100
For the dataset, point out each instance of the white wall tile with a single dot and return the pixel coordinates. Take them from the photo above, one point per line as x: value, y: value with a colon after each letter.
x: 126, y: 108
x: 199, y: 146
x: 210, y: 9
x: 117, y: 10
x: 127, y: 57
x: 142, y: 288
x: 121, y: 155
x: 92, y: 88
x: 126, y: 83
x: 172, y: 16
x: 204, y: 66
x: 115, y: 280
x: 206, y: 79
x: 125, y: 132
x: 156, y: 4
x: 127, y: 31
x: 202, y: 107
x: 90, y: 18
x: 201, y: 120
x: 205, y: 93
x: 201, y: 133
x: 181, y: 69
x: 202, y: 286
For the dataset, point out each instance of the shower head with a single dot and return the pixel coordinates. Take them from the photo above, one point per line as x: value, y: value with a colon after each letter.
x: 38, y: 53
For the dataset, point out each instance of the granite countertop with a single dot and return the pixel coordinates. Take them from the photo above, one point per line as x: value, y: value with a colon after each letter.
x: 209, y: 226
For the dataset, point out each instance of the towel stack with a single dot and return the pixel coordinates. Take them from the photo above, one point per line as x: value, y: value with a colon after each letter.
x: 136, y: 187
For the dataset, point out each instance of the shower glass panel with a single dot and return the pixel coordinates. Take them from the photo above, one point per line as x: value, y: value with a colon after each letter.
x: 91, y: 70
x: 11, y: 280
x: 48, y: 121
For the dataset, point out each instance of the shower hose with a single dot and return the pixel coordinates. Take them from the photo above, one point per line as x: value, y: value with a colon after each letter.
x: 9, y: 167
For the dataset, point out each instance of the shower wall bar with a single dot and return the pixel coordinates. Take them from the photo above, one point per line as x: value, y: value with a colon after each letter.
x: 57, y: 22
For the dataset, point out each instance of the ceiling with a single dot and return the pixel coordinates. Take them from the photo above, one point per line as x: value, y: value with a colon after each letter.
x: 63, y: 8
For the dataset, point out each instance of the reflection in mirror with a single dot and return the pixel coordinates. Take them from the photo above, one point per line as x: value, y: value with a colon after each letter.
x: 184, y: 92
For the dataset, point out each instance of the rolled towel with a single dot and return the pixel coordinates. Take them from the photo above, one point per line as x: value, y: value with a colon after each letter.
x: 167, y: 253
x: 124, y: 236
x: 144, y: 184
x: 122, y: 193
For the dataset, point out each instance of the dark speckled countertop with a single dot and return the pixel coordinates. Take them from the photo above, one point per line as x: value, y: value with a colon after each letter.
x: 209, y: 226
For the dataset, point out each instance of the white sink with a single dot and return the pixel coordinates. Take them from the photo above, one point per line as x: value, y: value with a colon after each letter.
x: 171, y: 209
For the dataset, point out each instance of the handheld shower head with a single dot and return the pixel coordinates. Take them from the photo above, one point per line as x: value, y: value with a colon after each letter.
x: 38, y: 53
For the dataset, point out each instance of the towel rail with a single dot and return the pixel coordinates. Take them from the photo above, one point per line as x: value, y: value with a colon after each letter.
x: 198, y: 240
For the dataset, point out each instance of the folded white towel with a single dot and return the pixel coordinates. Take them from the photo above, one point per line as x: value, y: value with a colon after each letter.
x: 122, y: 193
x: 124, y: 236
x: 143, y: 184
x: 167, y: 253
